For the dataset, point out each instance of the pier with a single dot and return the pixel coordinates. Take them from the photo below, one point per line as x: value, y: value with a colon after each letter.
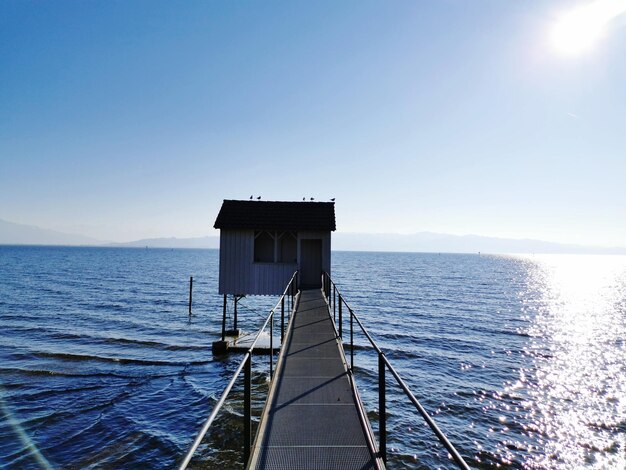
x: 313, y: 418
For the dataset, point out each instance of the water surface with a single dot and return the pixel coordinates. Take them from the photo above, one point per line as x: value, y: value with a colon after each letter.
x: 519, y: 359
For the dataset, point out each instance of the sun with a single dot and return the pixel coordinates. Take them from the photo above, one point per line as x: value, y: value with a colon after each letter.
x: 575, y: 33
x: 578, y: 31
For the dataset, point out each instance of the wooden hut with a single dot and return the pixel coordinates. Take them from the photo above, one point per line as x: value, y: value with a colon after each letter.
x: 262, y: 243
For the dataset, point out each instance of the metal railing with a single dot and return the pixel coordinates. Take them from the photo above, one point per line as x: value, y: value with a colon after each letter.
x: 246, y: 365
x: 336, y: 302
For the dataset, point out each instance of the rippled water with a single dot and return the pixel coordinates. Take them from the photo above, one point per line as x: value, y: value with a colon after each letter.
x: 519, y: 359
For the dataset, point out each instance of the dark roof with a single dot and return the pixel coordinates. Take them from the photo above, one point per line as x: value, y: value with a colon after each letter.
x: 274, y: 215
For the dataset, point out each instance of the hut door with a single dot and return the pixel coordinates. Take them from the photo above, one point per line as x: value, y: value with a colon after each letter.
x: 311, y: 263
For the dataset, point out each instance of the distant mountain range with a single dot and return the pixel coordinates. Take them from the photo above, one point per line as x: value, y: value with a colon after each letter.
x: 173, y: 242
x: 19, y: 234
x: 445, y: 243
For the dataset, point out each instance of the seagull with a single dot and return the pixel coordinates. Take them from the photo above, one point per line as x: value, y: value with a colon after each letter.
x: 312, y: 199
x: 333, y: 199
x: 304, y: 199
x: 258, y: 198
x: 251, y: 197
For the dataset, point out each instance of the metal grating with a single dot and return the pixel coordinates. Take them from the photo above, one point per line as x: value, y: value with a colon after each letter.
x: 309, y: 390
x: 320, y: 348
x: 316, y: 458
x: 315, y: 425
x: 313, y: 367
x: 313, y: 421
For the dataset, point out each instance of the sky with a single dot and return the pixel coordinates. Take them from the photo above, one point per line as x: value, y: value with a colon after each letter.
x: 125, y: 120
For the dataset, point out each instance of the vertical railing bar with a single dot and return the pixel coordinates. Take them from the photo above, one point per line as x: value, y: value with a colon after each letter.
x: 340, y: 318
x: 282, y: 320
x: 334, y: 302
x: 271, y: 345
x: 325, y: 277
x: 351, y: 341
x: 247, y: 409
x: 382, y: 408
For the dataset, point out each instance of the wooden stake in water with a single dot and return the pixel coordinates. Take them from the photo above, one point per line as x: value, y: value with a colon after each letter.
x: 190, y: 291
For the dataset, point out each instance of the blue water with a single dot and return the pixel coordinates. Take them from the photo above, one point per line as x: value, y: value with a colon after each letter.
x: 519, y: 359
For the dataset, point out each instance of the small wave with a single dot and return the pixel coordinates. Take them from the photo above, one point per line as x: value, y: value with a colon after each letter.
x: 154, y: 344
x: 131, y: 341
x: 46, y: 393
x: 119, y: 360
x: 110, y: 306
x: 46, y: 372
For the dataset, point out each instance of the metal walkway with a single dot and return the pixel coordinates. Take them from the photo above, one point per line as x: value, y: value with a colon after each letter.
x: 313, y: 418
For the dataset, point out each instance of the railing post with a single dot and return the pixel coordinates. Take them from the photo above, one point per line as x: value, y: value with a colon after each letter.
x: 351, y: 341
x: 282, y: 320
x: 328, y: 288
x: 335, y: 303
x: 224, y: 320
x: 271, y: 345
x: 247, y: 415
x: 340, y: 330
x: 382, y: 408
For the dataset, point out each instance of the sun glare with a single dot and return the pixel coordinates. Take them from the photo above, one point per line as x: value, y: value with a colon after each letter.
x: 578, y: 30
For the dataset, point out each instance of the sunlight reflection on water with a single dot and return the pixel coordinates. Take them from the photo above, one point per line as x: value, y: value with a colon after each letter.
x: 576, y: 391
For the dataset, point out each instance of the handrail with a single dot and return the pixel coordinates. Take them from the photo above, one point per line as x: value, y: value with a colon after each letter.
x: 246, y: 362
x: 329, y: 284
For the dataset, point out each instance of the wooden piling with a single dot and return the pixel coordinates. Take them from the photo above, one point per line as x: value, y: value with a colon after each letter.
x: 190, y: 292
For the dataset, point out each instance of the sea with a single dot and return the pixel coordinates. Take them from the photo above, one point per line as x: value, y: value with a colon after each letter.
x: 520, y: 360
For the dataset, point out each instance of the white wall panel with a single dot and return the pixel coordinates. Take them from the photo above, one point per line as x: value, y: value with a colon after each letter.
x: 240, y: 275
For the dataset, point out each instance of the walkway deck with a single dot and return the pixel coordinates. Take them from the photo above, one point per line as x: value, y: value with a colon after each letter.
x: 313, y: 418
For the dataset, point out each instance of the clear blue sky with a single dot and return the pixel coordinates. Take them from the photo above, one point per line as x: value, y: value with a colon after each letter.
x: 123, y: 120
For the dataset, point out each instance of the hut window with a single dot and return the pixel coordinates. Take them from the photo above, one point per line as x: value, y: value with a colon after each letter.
x: 287, y: 251
x: 263, y: 247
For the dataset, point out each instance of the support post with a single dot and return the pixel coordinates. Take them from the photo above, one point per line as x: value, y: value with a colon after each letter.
x: 340, y: 318
x: 247, y: 408
x: 224, y: 319
x: 235, y: 315
x: 282, y: 320
x: 190, y: 292
x: 382, y: 408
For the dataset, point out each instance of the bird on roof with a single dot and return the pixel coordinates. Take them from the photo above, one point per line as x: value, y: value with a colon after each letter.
x: 332, y: 199
x: 304, y: 199
x: 312, y: 199
x: 258, y: 198
x: 251, y: 196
